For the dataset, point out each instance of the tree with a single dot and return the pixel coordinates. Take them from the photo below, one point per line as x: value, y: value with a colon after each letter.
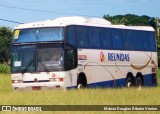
x: 5, y: 44
x: 131, y: 20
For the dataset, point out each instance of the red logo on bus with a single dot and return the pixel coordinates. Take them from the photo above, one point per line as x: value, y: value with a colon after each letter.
x: 102, y: 58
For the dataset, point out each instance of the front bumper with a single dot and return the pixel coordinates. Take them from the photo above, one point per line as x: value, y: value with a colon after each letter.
x: 38, y: 86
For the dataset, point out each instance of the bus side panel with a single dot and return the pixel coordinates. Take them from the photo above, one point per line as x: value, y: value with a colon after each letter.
x: 104, y: 68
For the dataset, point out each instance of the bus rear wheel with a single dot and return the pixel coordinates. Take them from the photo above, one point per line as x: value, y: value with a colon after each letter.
x: 139, y: 82
x: 129, y: 82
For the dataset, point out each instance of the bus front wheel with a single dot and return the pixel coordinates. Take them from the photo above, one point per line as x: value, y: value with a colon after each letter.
x: 81, y: 82
x: 79, y: 86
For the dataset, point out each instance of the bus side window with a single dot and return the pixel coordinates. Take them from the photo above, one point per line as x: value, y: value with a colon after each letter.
x: 117, y: 39
x: 81, y: 35
x: 139, y: 40
x: 71, y: 35
x: 146, y: 41
x: 105, y: 37
x: 94, y: 38
x: 81, y: 43
x: 128, y: 40
x: 152, y: 41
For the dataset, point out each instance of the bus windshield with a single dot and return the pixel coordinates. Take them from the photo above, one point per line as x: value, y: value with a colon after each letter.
x: 23, y: 58
x: 38, y: 34
x: 37, y: 58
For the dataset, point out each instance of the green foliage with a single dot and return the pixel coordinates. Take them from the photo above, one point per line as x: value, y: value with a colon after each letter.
x: 3, y: 68
x: 131, y: 20
x: 5, y: 43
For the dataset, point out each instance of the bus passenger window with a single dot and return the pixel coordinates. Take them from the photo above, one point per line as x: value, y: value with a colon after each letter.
x: 117, y: 39
x: 94, y: 38
x: 105, y: 37
x: 71, y: 36
x: 152, y: 41
x: 81, y: 36
x: 128, y: 40
x: 81, y: 43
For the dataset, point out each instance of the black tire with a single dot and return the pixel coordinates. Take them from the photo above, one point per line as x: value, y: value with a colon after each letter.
x: 81, y: 82
x: 129, y: 82
x: 139, y: 82
x: 80, y: 86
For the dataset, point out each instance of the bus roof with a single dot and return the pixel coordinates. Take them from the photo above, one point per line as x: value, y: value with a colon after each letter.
x: 76, y: 20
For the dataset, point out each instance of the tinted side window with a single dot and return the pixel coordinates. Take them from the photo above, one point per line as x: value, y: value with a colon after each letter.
x: 70, y: 35
x: 110, y: 38
x: 152, y: 41
x: 128, y: 40
x: 94, y: 38
x: 139, y: 40
x: 117, y: 39
x: 106, y: 39
x: 81, y: 35
x: 146, y: 41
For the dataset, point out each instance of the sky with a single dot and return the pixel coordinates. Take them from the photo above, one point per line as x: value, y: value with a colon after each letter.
x: 25, y: 11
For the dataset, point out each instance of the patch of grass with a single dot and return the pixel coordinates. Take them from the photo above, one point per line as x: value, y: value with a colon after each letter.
x: 145, y: 96
x: 123, y: 96
x: 5, y: 83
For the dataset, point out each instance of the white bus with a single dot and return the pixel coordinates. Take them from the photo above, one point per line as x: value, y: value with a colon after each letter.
x: 78, y: 52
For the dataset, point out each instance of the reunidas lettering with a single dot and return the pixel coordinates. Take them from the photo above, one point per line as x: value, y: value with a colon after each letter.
x: 118, y: 57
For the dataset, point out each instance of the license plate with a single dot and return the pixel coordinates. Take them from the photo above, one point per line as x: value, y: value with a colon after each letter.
x: 36, y: 88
